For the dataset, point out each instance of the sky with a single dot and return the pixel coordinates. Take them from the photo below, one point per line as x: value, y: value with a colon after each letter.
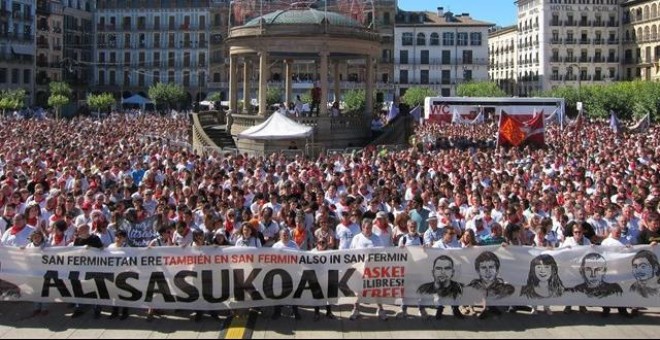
x: 499, y: 12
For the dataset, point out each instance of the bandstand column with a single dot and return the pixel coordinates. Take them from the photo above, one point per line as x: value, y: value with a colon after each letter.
x: 263, y: 70
x: 336, y: 83
x: 287, y: 81
x: 233, y: 84
x: 246, y: 86
x: 369, y: 95
x: 324, y: 84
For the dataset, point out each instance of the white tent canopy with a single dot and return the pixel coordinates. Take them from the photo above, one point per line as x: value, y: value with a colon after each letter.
x: 277, y: 127
x: 137, y: 99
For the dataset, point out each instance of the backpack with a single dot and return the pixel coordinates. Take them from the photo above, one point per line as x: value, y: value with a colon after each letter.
x: 421, y: 240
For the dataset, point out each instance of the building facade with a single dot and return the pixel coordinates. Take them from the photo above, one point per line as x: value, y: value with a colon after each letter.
x: 502, y: 51
x: 641, y: 46
x: 17, y: 46
x: 564, y: 42
x: 439, y: 50
x: 137, y: 48
x: 78, y: 48
x: 50, y: 39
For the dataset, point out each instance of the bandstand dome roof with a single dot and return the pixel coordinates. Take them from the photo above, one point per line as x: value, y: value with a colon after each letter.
x: 306, y: 16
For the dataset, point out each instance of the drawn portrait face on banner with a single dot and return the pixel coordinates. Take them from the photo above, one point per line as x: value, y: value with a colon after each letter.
x: 646, y: 270
x: 443, y: 272
x: 543, y: 280
x: 593, y: 269
x: 487, y: 266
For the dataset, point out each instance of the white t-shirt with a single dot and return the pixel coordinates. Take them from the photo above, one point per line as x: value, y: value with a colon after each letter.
x: 345, y: 234
x: 21, y: 239
x: 410, y: 240
x: 360, y: 241
x: 385, y: 236
x: 281, y: 245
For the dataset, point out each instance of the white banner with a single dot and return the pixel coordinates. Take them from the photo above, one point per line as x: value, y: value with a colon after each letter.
x: 208, y: 278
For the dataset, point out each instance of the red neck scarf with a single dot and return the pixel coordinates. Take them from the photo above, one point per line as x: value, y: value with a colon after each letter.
x: 15, y: 229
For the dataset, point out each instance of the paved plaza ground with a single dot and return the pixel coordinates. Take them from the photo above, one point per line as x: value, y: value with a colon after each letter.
x: 16, y: 322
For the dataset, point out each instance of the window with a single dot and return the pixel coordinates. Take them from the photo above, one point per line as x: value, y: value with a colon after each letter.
x: 424, y: 57
x: 403, y: 57
x: 421, y: 39
x: 475, y: 38
x: 446, y: 57
x: 445, y: 92
x: 3, y: 75
x: 407, y: 39
x: 448, y: 39
x: 462, y: 39
x: 467, y: 57
x: 14, y: 76
x: 467, y: 75
x: 446, y: 77
x: 403, y: 76
x: 27, y: 76
x: 424, y: 77
x: 101, y: 78
x: 435, y: 39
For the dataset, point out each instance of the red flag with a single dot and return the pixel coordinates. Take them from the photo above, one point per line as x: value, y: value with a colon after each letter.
x: 514, y: 133
x: 510, y: 132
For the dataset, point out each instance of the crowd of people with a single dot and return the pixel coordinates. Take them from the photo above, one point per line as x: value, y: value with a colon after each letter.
x: 73, y: 182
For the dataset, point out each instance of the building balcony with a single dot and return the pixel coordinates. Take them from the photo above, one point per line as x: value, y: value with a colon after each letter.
x: 585, y: 59
x: 613, y: 59
x: 570, y: 41
x: 599, y: 41
x: 613, y: 24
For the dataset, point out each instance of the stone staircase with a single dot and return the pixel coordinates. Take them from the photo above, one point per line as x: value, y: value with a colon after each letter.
x: 220, y: 136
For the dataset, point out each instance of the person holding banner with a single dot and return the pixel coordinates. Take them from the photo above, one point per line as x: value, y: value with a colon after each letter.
x: 365, y: 240
x: 246, y: 238
x: 85, y: 238
x: 19, y: 233
x: 120, y: 242
x: 285, y: 242
x: 322, y: 245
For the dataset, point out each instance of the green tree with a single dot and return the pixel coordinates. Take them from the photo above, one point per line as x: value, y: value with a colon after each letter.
x: 57, y: 101
x: 60, y: 92
x: 479, y: 89
x: 273, y: 96
x: 166, y: 95
x: 355, y: 101
x: 12, y: 99
x: 630, y: 99
x: 214, y: 97
x: 415, y: 95
x: 100, y: 101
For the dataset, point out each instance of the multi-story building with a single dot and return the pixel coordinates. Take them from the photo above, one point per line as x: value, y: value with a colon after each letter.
x: 566, y: 42
x: 641, y: 46
x: 502, y: 51
x: 49, y: 35
x: 439, y: 50
x: 218, y: 80
x: 17, y: 46
x: 77, y: 47
x: 137, y: 48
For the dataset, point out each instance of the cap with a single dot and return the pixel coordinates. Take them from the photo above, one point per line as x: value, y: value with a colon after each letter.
x: 432, y: 216
x: 381, y: 214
